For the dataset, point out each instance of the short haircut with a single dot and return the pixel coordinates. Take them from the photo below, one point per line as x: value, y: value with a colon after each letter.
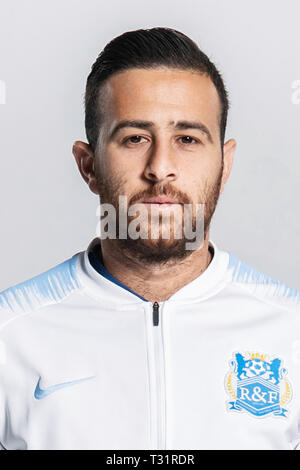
x: 148, y: 49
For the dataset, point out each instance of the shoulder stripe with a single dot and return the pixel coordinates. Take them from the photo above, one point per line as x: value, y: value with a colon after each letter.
x: 242, y: 272
x: 48, y: 287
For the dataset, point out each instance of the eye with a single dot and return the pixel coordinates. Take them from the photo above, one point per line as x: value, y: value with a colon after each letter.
x: 186, y: 139
x: 134, y: 139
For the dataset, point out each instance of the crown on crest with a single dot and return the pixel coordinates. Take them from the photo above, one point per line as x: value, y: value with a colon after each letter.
x: 262, y: 357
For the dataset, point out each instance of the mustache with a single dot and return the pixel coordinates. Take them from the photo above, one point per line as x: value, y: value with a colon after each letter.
x: 161, y: 190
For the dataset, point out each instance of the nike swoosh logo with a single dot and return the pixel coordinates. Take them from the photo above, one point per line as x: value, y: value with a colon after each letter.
x: 42, y: 393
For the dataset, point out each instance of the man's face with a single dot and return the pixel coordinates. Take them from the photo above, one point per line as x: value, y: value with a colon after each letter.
x: 172, y: 149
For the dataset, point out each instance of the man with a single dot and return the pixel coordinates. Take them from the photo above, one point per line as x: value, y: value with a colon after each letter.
x: 146, y: 342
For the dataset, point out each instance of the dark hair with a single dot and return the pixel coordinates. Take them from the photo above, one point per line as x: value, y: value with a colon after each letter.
x: 147, y: 48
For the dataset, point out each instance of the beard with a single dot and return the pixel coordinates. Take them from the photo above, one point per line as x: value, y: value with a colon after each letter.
x: 157, y: 251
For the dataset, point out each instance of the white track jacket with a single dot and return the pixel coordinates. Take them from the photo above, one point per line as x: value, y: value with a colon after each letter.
x: 85, y: 363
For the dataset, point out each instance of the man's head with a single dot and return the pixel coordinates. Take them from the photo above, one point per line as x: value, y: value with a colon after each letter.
x: 156, y: 112
x: 147, y: 49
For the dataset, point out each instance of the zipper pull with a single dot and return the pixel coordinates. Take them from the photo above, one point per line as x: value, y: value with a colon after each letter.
x: 155, y: 311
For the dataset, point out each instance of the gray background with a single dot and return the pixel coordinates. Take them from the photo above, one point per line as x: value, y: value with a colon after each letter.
x: 46, y: 51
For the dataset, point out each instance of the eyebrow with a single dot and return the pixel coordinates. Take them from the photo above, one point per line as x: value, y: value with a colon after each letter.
x: 148, y: 125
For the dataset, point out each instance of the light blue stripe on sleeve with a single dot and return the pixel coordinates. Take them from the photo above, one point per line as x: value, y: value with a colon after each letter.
x: 48, y: 287
x: 241, y: 272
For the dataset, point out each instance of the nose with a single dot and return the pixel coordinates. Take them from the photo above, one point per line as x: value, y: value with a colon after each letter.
x: 161, y: 164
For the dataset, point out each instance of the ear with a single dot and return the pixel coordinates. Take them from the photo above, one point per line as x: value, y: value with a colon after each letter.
x: 85, y: 160
x: 228, y: 152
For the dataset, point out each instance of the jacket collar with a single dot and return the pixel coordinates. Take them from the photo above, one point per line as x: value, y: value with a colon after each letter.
x: 106, y: 290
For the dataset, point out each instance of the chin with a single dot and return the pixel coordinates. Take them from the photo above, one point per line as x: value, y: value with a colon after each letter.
x: 153, y: 251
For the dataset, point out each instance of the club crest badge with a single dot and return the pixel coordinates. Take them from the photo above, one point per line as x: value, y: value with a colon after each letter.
x: 257, y: 385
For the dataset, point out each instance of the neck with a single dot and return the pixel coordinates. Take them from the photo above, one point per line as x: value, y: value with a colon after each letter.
x: 154, y: 282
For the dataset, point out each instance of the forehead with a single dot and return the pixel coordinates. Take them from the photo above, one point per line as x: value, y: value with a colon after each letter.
x: 161, y: 94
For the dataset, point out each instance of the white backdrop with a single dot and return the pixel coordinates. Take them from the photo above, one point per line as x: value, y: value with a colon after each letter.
x: 46, y: 51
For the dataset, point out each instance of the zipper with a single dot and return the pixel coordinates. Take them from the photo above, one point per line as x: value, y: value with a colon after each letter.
x: 159, y: 386
x: 155, y: 313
